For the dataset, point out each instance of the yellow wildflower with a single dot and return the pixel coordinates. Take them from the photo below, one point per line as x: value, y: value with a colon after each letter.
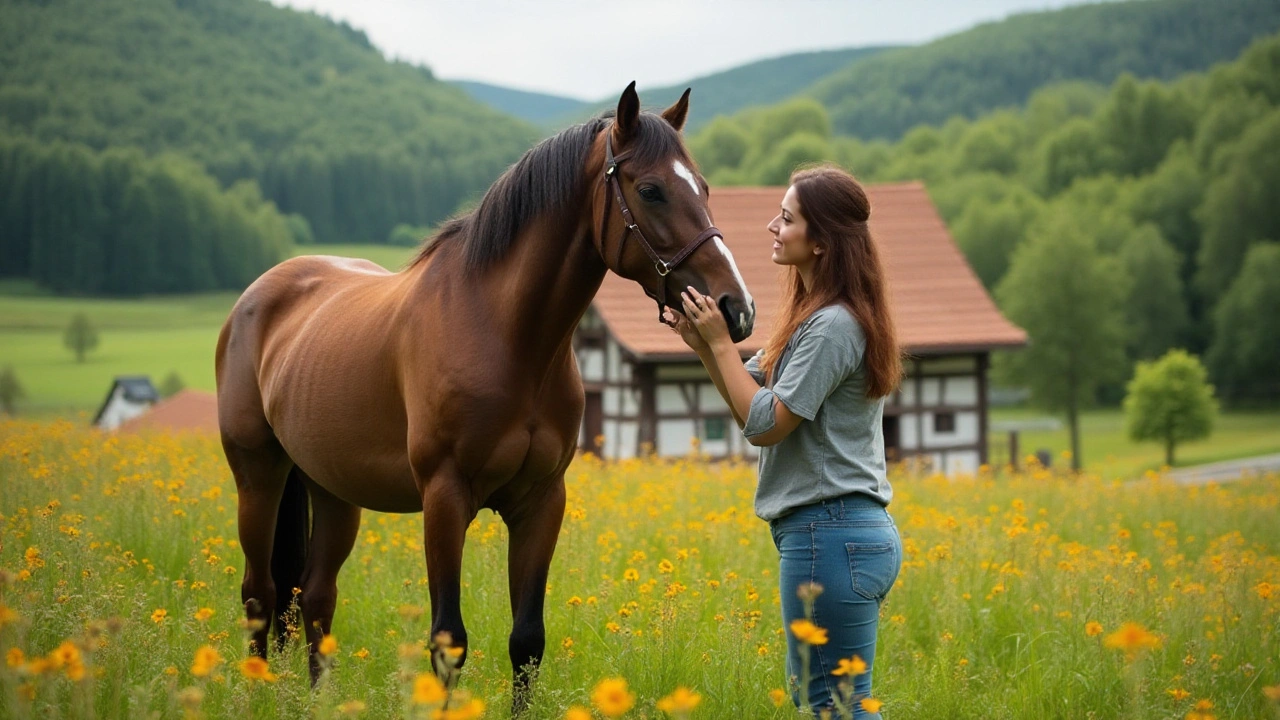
x: 778, y: 696
x: 159, y: 615
x: 851, y: 667
x: 1132, y: 638
x: 682, y: 701
x: 1093, y: 629
x: 808, y: 633
x: 577, y: 713
x: 328, y: 645
x: 255, y: 668
x: 428, y: 690
x: 205, y: 661
x: 203, y: 614
x: 612, y: 698
x: 14, y: 658
x: 871, y: 705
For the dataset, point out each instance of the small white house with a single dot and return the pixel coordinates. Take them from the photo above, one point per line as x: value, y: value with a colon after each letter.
x: 646, y: 390
x: 129, y: 397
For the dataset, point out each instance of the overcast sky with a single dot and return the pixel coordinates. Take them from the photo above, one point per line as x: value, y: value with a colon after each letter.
x: 590, y: 49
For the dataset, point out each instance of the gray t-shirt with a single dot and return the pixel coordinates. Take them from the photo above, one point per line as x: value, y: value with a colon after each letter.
x: 839, y: 446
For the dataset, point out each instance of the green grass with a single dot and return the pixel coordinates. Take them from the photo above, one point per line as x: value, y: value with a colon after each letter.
x: 138, y: 336
x: 1107, y: 450
x: 989, y: 619
x: 158, y: 335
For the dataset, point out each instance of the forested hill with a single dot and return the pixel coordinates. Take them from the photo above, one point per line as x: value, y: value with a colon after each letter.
x: 534, y: 107
x: 759, y: 83
x: 1000, y: 64
x: 305, y: 106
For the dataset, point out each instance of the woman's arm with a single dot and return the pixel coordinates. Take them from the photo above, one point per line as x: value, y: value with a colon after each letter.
x: 713, y: 369
x: 733, y: 381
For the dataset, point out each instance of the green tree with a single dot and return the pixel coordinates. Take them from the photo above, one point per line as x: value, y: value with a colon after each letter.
x: 80, y: 336
x: 11, y: 390
x: 1245, y: 352
x: 1072, y: 151
x: 1170, y: 400
x: 1240, y: 205
x: 988, y: 233
x: 1155, y: 308
x: 171, y: 385
x: 722, y: 144
x: 1067, y: 296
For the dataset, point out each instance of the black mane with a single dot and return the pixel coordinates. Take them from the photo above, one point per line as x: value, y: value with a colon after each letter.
x: 544, y: 179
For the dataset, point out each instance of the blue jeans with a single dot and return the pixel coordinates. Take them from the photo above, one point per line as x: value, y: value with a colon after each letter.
x: 850, y: 546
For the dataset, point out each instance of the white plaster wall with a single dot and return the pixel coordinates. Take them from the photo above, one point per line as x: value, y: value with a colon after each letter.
x: 630, y: 402
x: 671, y: 400
x: 932, y: 391
x: 961, y: 391
x: 709, y: 399
x: 591, y: 364
x: 119, y: 410
x: 907, y: 392
x: 674, y: 437
x: 907, y: 436
x: 612, y: 400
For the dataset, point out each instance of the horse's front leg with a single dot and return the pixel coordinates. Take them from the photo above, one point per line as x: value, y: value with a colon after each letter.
x: 534, y: 529
x: 447, y: 510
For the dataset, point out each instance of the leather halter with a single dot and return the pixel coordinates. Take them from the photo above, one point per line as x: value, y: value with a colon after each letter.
x: 664, y: 267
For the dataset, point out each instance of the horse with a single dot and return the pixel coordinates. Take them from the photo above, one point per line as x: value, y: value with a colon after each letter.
x: 452, y: 385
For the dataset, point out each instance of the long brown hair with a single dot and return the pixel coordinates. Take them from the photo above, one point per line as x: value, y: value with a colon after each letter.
x: 848, y: 271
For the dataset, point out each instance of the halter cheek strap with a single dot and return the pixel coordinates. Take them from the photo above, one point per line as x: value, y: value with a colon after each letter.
x: 663, y: 267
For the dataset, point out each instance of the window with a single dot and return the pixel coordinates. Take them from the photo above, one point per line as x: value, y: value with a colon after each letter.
x: 944, y: 422
x: 714, y: 428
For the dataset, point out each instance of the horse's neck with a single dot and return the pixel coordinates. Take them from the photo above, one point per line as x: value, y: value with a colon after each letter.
x: 551, y: 277
x: 533, y: 298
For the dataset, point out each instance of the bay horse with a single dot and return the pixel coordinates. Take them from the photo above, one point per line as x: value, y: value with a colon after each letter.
x: 452, y: 386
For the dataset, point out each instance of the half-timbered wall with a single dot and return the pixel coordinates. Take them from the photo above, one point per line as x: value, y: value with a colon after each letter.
x: 936, y: 418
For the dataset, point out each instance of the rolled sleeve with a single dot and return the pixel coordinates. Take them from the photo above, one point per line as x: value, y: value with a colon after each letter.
x: 753, y: 367
x: 761, y: 417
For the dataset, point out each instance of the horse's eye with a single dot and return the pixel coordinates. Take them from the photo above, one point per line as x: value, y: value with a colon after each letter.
x: 650, y: 193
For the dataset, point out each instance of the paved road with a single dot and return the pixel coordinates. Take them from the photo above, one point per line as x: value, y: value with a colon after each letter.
x: 1226, y: 471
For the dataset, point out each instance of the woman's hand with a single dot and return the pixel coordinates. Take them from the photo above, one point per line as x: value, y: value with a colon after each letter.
x: 688, y: 333
x: 705, y: 316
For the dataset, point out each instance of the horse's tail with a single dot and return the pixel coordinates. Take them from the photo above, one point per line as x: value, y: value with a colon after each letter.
x: 289, y: 550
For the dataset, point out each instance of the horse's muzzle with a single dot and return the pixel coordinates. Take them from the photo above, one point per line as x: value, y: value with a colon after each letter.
x: 739, y: 316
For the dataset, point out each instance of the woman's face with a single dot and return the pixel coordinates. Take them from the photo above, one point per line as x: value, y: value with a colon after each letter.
x: 791, y: 243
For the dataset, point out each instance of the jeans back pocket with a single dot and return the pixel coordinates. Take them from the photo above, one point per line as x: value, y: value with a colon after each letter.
x: 874, y: 567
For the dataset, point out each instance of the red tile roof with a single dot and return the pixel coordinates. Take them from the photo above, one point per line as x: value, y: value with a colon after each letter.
x: 939, y: 304
x: 186, y: 410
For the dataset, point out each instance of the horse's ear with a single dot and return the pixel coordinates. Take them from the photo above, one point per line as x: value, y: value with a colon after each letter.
x: 628, y: 115
x: 676, y: 114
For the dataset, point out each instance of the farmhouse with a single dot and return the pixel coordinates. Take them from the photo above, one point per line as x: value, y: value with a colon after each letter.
x: 646, y: 390
x: 129, y: 397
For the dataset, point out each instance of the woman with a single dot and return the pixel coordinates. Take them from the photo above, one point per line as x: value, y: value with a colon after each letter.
x: 812, y: 400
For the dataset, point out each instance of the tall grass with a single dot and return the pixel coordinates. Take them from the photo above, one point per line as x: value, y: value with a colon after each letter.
x: 662, y: 577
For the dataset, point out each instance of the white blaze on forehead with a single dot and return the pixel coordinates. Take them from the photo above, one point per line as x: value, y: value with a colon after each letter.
x: 742, y: 285
x: 685, y: 173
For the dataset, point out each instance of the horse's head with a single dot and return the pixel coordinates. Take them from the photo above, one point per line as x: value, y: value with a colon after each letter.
x: 655, y: 224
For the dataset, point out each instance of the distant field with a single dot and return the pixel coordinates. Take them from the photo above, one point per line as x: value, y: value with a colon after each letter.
x: 1107, y: 450
x: 144, y: 336
x: 156, y: 335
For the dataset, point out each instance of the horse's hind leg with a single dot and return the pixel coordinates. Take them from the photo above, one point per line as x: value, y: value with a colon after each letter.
x: 335, y: 525
x: 534, y: 530
x: 260, y: 472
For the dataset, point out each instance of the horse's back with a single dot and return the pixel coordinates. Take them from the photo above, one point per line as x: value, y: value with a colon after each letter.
x: 272, y: 315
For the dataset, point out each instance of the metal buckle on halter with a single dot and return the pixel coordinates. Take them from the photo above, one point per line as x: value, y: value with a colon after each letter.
x: 662, y: 267
x: 609, y: 171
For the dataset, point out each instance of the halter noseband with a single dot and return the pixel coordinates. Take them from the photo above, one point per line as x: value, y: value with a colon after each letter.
x: 664, y: 267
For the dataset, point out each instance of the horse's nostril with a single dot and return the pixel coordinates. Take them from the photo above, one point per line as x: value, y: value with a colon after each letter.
x: 739, y: 316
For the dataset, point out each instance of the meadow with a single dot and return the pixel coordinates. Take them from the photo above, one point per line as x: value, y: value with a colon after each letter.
x: 1028, y: 595
x: 158, y: 335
